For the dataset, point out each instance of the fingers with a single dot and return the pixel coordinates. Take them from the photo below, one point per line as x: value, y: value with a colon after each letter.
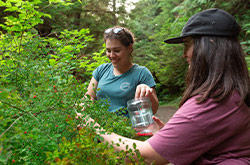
x: 150, y: 91
x: 137, y: 92
x: 78, y: 116
x: 158, y: 121
x: 143, y: 90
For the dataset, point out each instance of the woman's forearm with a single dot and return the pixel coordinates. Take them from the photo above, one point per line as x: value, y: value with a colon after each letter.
x: 154, y: 101
x: 146, y: 151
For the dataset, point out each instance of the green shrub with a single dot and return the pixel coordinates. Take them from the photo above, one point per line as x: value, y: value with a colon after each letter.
x: 39, y: 96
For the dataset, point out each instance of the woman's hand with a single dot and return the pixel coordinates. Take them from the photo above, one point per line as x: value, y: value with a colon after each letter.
x: 143, y: 90
x: 158, y: 124
x: 86, y: 122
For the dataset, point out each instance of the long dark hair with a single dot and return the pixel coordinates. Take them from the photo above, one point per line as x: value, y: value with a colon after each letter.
x: 218, y: 68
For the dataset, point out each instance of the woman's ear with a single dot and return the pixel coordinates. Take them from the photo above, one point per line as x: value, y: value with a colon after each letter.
x: 131, y: 48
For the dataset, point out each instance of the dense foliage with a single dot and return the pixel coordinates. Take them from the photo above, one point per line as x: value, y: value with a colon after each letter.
x: 48, y: 50
x: 153, y: 21
x: 40, y: 93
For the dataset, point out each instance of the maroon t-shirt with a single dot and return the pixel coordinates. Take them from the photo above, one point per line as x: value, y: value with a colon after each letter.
x: 208, y: 133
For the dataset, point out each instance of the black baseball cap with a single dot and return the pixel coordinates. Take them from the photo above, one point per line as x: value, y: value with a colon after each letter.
x: 210, y: 22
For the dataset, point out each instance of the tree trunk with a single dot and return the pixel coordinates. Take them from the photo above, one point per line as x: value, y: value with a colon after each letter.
x: 114, y: 12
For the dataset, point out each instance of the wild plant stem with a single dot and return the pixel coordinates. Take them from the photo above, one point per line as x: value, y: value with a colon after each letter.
x: 10, y: 126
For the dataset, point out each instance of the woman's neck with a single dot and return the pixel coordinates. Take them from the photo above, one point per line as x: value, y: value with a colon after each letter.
x: 120, y: 70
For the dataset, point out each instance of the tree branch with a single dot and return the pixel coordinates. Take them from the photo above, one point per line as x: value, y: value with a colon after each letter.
x: 10, y: 126
x: 13, y: 106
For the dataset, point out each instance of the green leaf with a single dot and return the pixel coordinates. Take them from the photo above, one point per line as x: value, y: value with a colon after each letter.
x: 2, y: 3
x: 36, y: 1
x: 134, y: 145
x: 52, y: 62
x: 3, y: 94
x: 54, y: 56
x: 13, y: 8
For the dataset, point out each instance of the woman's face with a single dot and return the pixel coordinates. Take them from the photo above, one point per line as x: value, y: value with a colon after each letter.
x: 118, y: 54
x: 188, y: 50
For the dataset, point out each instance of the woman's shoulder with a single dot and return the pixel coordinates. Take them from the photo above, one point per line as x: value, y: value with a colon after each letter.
x: 234, y: 96
x: 140, y: 67
x: 231, y: 103
x: 101, y: 70
x: 104, y: 66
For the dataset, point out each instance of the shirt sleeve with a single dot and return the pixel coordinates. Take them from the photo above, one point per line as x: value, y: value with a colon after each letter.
x: 147, y: 78
x: 180, y: 141
x: 100, y: 70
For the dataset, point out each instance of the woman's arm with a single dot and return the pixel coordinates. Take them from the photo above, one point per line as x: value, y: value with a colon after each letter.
x: 154, y: 101
x: 145, y: 149
x: 91, y: 88
x: 144, y: 90
x: 91, y: 91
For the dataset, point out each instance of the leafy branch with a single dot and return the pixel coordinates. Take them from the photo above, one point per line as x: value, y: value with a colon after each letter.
x: 10, y: 126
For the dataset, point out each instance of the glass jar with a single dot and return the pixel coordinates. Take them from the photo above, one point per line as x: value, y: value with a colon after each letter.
x: 140, y: 113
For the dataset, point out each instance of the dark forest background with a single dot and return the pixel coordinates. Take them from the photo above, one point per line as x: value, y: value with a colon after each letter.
x: 152, y: 21
x: 48, y: 50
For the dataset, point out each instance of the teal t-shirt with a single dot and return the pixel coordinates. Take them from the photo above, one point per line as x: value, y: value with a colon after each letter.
x: 119, y: 89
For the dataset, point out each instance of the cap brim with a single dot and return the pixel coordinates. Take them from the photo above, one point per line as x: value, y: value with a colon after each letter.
x: 176, y: 40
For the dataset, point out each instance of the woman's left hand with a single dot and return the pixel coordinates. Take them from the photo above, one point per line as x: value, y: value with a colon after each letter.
x: 158, y: 122
x: 143, y: 90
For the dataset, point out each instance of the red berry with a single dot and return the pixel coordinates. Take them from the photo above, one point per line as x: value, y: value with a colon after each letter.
x: 68, y: 116
x: 34, y: 96
x: 25, y: 132
x: 56, y: 125
x: 13, y: 161
x: 57, y: 160
x: 54, y: 86
x: 55, y: 91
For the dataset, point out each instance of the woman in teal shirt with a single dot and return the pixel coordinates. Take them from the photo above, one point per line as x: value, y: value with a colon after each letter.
x: 121, y: 80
